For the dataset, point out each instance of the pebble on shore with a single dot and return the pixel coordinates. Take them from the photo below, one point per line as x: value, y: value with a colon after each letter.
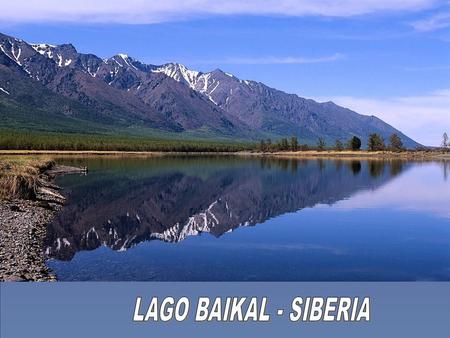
x: 22, y: 232
x: 23, y: 226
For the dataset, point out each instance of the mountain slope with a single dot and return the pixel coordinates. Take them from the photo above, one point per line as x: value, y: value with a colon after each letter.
x: 171, y: 99
x: 101, y: 87
x: 275, y: 112
x: 180, y: 107
x: 121, y: 93
x: 26, y: 104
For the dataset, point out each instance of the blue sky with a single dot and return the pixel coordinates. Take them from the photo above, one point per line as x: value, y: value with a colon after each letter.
x: 387, y: 58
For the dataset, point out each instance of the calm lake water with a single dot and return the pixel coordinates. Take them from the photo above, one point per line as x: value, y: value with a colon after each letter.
x: 237, y: 219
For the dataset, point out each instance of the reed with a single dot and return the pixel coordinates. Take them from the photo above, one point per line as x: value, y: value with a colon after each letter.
x: 21, y: 177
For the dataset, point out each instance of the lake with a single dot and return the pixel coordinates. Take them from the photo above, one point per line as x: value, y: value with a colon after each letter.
x: 230, y: 218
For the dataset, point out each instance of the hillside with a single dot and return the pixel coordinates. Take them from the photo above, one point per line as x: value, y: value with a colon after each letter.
x: 56, y: 89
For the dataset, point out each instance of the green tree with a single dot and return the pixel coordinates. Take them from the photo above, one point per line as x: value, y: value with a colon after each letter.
x: 375, y: 143
x: 339, y: 146
x: 354, y: 143
x: 262, y: 145
x: 445, y: 144
x: 269, y: 144
x: 284, y: 144
x: 294, y: 143
x: 321, y: 144
x: 395, y: 143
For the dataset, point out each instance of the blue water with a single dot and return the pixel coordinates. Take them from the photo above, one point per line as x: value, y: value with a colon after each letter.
x: 229, y: 219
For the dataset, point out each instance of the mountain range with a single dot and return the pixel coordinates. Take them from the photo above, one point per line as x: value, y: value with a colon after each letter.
x: 52, y: 88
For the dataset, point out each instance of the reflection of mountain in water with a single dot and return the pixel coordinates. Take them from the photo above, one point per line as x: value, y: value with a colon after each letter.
x: 121, y: 208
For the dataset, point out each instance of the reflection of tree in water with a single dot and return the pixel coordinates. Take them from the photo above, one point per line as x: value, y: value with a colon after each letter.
x: 284, y: 164
x: 444, y: 166
x: 264, y: 163
x: 396, y: 167
x: 294, y: 166
x: 376, y: 168
x: 338, y: 165
x: 321, y: 164
x: 355, y: 167
x: 281, y: 163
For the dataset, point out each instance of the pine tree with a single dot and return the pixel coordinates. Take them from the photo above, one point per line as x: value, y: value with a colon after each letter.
x: 375, y: 143
x: 284, y: 144
x: 294, y: 143
x: 262, y: 145
x: 269, y: 144
x: 445, y: 144
x: 321, y: 144
x: 395, y: 143
x: 354, y: 143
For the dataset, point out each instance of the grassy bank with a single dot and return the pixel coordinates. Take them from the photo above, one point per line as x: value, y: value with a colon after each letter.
x: 20, y: 176
x: 19, y: 140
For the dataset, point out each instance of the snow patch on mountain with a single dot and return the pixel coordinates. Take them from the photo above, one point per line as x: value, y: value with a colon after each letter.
x: 128, y: 60
x: 44, y: 49
x: 4, y: 90
x: 8, y: 55
x: 50, y: 51
x: 16, y: 54
x: 204, y: 83
x: 179, y: 72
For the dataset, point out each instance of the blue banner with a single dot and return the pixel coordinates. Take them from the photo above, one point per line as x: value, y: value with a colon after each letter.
x: 111, y: 309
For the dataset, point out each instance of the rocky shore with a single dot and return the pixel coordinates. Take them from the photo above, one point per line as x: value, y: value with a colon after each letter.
x: 23, y: 229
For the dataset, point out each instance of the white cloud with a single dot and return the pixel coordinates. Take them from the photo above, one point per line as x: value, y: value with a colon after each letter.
x: 426, y: 68
x: 424, y: 118
x: 268, y: 60
x: 433, y: 23
x: 141, y: 11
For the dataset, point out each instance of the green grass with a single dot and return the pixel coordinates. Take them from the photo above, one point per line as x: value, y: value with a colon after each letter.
x: 21, y: 140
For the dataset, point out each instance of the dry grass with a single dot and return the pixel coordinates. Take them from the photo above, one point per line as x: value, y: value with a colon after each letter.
x: 20, y: 177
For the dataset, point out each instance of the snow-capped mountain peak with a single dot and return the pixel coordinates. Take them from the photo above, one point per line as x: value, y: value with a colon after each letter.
x: 123, y: 60
x: 44, y: 49
x: 64, y: 55
x: 204, y: 83
x: 179, y: 73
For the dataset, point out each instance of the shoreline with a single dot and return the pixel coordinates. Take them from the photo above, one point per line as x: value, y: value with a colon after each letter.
x: 305, y: 154
x: 367, y: 155
x: 24, y: 226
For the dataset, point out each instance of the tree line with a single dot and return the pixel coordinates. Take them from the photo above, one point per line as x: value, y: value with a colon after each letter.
x: 64, y: 141
x: 375, y: 143
x: 12, y: 140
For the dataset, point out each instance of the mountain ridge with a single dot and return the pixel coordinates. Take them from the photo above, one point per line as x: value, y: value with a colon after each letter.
x: 122, y: 92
